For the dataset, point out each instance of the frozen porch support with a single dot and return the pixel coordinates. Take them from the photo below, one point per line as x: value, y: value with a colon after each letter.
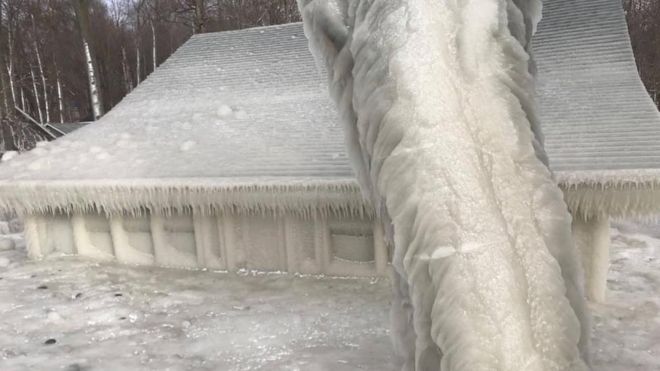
x: 592, y: 239
x: 32, y: 237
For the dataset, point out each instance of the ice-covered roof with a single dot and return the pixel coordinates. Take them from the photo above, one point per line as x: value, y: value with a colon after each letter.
x: 595, y: 112
x: 232, y: 119
x: 242, y: 119
x: 602, y: 130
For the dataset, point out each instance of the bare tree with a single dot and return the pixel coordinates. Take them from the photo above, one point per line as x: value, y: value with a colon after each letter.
x: 60, y: 99
x: 644, y: 27
x: 40, y: 65
x: 138, y: 42
x: 7, y: 106
x: 121, y: 41
x: 82, y: 11
x: 22, y: 99
x: 126, y: 73
x: 36, y: 95
x: 200, y: 16
x: 154, y: 51
x: 10, y: 59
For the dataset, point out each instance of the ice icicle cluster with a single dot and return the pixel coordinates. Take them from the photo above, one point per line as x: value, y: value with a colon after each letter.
x: 437, y: 101
x: 305, y: 198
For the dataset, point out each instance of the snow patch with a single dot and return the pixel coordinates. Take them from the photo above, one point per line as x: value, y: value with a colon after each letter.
x: 7, y: 243
x: 291, y: 323
x: 241, y: 115
x: 224, y: 110
x: 9, y: 155
x: 37, y: 164
x: 187, y: 145
x: 103, y: 156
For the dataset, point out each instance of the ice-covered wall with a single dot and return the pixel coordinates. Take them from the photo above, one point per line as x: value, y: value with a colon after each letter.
x: 438, y: 104
x: 332, y: 244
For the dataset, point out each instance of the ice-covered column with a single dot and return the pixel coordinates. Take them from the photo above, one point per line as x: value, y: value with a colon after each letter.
x: 592, y: 239
x: 32, y: 237
x: 437, y: 99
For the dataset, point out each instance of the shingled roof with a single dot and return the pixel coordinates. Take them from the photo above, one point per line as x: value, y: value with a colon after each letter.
x: 602, y: 129
x: 242, y: 119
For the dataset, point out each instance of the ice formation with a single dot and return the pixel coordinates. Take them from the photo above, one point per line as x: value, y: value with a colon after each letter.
x: 438, y: 104
x: 258, y: 111
x: 228, y: 124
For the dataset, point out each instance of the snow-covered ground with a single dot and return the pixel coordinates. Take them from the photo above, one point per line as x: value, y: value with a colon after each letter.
x: 110, y: 317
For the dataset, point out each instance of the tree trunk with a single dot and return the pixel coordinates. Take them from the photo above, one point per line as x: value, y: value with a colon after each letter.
x: 43, y: 82
x: 128, y: 84
x: 10, y: 62
x: 4, y: 108
x: 5, y: 96
x: 60, y: 100
x: 6, y: 111
x: 153, y: 43
x: 22, y: 99
x: 137, y: 63
x: 200, y: 16
x: 138, y: 42
x: 36, y: 95
x: 82, y: 10
x: 44, y: 86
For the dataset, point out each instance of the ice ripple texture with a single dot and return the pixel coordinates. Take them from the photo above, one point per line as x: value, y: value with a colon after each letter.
x: 438, y: 106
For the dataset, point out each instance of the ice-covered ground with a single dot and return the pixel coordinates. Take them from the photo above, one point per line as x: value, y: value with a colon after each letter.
x: 109, y: 317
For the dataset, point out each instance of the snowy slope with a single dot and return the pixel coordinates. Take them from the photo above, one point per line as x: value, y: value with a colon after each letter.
x: 180, y: 320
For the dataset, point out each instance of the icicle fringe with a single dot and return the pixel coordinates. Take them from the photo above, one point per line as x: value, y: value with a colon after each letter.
x: 619, y: 194
x: 167, y: 197
x: 615, y: 193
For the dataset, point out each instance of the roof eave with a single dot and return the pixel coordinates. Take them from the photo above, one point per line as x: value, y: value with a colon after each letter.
x: 615, y: 193
x: 306, y: 197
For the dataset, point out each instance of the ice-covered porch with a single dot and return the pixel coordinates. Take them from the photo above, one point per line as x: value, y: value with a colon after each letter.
x: 315, y: 244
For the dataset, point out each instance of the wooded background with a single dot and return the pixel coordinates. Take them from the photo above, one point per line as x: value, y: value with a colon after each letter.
x: 644, y: 26
x: 42, y: 42
x: 44, y: 69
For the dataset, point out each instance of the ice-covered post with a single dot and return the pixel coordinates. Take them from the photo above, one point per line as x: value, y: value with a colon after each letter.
x: 437, y: 102
x: 592, y: 239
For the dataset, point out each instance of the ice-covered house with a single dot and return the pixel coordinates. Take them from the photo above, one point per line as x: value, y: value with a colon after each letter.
x: 230, y: 157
